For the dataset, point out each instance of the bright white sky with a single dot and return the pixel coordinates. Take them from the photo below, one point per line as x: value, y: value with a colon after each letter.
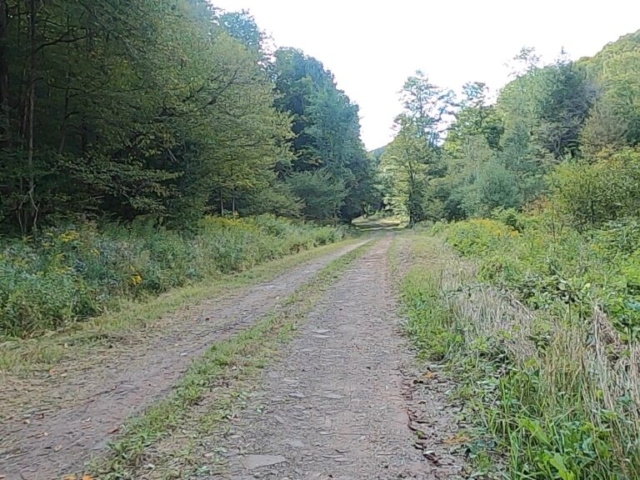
x: 372, y: 47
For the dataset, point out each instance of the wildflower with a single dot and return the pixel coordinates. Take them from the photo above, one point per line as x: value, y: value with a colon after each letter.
x: 70, y: 236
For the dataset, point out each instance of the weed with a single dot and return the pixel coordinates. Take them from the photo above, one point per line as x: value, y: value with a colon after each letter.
x: 553, y: 396
x: 76, y: 273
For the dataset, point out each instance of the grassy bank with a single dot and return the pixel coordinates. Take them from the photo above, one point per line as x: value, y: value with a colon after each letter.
x: 70, y: 275
x: 553, y: 387
x: 211, y: 391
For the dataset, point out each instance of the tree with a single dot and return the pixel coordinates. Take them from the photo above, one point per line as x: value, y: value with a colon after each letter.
x: 404, y: 167
x: 326, y: 130
x: 427, y: 106
x: 323, y: 195
x: 132, y: 108
x: 474, y: 117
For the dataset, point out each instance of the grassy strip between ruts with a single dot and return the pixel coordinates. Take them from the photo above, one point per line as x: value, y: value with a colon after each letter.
x: 44, y: 352
x: 210, y: 391
x: 546, y: 394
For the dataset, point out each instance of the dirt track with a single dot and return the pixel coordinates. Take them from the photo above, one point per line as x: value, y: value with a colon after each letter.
x: 341, y: 403
x: 74, y: 412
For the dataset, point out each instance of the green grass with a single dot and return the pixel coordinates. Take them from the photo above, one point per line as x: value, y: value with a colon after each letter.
x: 199, y: 405
x: 551, y: 396
x: 133, y: 317
x: 72, y: 274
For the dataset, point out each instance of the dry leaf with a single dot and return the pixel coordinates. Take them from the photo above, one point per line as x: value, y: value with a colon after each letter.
x: 113, y: 430
x: 87, y: 477
x: 458, y: 439
x: 70, y: 477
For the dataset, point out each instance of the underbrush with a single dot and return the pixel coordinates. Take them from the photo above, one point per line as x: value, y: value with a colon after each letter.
x: 553, y: 395
x: 74, y: 273
x: 556, y: 268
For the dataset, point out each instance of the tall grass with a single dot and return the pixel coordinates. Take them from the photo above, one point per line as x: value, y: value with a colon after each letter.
x: 557, y: 395
x: 70, y: 274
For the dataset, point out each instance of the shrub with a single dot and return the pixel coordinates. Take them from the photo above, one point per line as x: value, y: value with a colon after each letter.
x: 591, y: 195
x: 73, y: 273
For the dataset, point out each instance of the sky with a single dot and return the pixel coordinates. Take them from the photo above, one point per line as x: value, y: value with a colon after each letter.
x: 372, y: 47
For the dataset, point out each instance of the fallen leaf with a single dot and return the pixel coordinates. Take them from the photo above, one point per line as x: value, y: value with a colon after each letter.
x: 70, y: 477
x: 458, y: 439
x: 87, y: 477
x: 113, y: 430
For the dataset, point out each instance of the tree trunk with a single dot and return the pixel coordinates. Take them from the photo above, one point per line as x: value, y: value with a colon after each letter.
x: 4, y: 76
x: 32, y: 209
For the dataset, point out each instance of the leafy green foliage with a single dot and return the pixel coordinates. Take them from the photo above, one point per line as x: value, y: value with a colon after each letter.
x: 74, y: 273
x: 546, y: 370
x: 168, y: 108
x: 593, y: 194
x: 550, y: 397
x: 498, y: 155
x: 323, y: 194
x: 326, y: 141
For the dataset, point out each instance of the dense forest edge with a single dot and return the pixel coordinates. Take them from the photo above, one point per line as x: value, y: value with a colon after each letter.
x: 146, y: 145
x: 526, y: 277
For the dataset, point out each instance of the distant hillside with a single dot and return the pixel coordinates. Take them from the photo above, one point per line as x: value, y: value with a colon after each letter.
x: 377, y: 153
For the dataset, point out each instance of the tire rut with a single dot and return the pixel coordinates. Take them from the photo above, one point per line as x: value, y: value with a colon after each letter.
x: 82, y: 409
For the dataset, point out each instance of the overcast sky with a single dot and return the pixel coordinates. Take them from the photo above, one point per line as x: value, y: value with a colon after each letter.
x: 373, y: 47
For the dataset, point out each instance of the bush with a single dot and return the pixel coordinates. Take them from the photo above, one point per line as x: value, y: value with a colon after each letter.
x: 475, y: 237
x: 74, y: 273
x: 591, y: 195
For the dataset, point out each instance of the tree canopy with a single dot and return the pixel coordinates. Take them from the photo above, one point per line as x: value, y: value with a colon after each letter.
x: 169, y: 108
x: 464, y: 156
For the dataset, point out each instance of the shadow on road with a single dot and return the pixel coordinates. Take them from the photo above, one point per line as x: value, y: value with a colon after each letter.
x: 376, y: 224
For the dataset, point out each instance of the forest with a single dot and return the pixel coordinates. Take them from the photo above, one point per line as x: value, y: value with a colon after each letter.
x: 126, y: 125
x: 172, y: 109
x: 527, y: 278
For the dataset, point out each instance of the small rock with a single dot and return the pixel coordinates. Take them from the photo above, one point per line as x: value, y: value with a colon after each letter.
x: 295, y: 443
x: 333, y: 396
x: 251, y: 462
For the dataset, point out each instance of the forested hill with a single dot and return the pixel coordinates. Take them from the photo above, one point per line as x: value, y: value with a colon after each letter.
x: 166, y: 108
x: 464, y: 156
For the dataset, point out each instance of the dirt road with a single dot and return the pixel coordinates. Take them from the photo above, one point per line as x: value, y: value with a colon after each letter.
x: 74, y: 415
x: 341, y: 401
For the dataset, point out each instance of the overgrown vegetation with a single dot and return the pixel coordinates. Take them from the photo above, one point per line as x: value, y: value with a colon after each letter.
x: 540, y: 323
x: 155, y: 116
x: 552, y: 395
x: 71, y: 274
